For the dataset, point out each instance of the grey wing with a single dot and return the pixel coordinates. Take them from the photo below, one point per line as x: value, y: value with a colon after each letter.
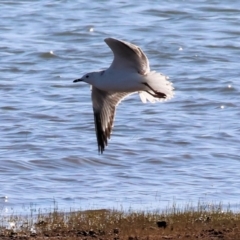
x: 128, y: 55
x: 104, y: 107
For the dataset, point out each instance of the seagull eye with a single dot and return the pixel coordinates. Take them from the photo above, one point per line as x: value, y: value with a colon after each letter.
x: 87, y: 76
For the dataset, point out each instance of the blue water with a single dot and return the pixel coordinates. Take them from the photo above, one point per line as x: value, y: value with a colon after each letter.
x: 183, y: 150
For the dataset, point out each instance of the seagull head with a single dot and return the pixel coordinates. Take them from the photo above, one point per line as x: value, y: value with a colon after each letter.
x: 88, y: 78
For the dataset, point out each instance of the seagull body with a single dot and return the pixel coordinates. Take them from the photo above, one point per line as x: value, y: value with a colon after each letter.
x: 117, y: 81
x: 129, y: 73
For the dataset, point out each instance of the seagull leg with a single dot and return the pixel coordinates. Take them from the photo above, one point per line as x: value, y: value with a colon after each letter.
x: 156, y: 94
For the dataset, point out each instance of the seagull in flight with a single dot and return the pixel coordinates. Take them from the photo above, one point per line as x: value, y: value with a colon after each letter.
x: 129, y: 73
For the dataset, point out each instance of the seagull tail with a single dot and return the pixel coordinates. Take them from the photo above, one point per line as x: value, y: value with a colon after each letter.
x: 157, y: 88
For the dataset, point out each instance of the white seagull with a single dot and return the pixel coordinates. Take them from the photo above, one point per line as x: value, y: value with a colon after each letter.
x: 129, y: 73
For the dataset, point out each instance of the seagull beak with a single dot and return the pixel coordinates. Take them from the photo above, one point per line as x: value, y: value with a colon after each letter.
x: 78, y: 80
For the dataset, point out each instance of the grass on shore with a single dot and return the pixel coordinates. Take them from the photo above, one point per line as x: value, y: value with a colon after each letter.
x: 204, y: 222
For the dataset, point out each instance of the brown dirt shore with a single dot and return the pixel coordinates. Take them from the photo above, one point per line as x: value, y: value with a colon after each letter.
x: 203, y: 234
x: 115, y: 225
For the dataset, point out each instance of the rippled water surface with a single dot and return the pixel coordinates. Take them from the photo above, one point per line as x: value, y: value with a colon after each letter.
x: 182, y: 150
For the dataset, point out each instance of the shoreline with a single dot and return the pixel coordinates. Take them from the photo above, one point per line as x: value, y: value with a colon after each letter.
x: 205, y: 222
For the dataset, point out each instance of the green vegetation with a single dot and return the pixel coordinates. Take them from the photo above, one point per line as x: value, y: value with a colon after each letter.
x: 203, y: 222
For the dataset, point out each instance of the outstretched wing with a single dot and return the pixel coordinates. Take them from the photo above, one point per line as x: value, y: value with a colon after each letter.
x: 128, y: 55
x: 104, y: 107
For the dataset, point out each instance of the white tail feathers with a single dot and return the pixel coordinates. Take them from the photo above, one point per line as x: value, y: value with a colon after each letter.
x: 144, y: 96
x: 156, y: 83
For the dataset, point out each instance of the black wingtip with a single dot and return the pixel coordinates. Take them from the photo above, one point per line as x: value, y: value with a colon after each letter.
x: 100, y: 150
x: 101, y: 147
x: 101, y: 138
